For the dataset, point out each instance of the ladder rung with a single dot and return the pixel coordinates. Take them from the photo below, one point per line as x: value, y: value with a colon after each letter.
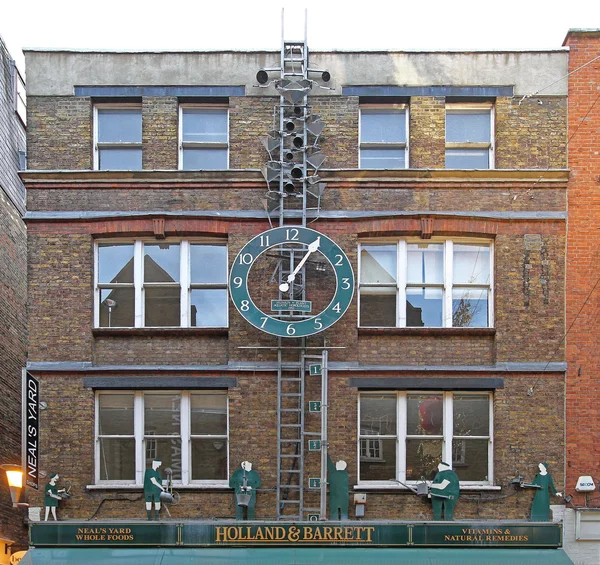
x: 290, y: 487
x: 312, y: 433
x: 281, y: 440
x: 312, y: 509
x: 289, y: 425
x: 289, y: 456
x: 291, y: 394
x: 290, y: 410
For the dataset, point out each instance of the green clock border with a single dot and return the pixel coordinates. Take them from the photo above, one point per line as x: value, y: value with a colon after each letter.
x: 240, y: 295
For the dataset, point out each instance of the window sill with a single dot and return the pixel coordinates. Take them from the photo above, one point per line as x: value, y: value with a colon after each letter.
x: 144, y: 332
x: 402, y: 488
x: 483, y: 332
x: 204, y: 486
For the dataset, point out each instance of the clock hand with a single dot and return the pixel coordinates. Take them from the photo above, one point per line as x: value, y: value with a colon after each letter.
x: 285, y: 286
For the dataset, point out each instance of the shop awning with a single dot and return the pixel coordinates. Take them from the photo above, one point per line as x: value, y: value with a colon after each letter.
x: 294, y: 556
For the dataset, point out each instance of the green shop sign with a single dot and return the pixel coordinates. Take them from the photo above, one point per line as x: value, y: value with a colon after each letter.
x: 370, y: 534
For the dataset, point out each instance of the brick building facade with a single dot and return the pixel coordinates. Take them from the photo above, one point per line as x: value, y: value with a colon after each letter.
x: 582, y: 524
x: 13, y: 288
x: 453, y: 219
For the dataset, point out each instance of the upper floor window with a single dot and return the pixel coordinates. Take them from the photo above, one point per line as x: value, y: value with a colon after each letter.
x: 19, y: 93
x: 170, y: 284
x: 433, y: 284
x: 118, y: 137
x: 469, y: 137
x: 187, y: 430
x: 403, y: 435
x: 203, y: 137
x: 383, y: 137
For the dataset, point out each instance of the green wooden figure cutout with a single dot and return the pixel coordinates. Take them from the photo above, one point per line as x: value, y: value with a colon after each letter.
x: 153, y: 489
x: 338, y: 490
x: 540, y: 509
x: 444, y: 492
x: 51, y: 496
x: 244, y: 481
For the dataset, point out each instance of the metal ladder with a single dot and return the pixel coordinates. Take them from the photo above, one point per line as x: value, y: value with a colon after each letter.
x: 292, y: 437
x: 290, y: 198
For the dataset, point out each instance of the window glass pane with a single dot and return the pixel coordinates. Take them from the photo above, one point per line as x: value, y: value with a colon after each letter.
x: 208, y: 263
x: 425, y: 263
x: 471, y: 264
x: 471, y: 415
x: 472, y: 127
x: 208, y: 308
x: 168, y: 450
x: 378, y: 459
x: 120, y: 159
x: 378, y: 414
x: 470, y: 308
x: 162, y: 414
x: 117, y: 459
x: 422, y: 458
x: 209, y: 414
x: 382, y: 158
x: 425, y: 414
x: 161, y: 262
x: 116, y: 414
x: 209, y: 459
x: 378, y: 307
x: 378, y: 264
x: 424, y: 307
x: 208, y: 126
x: 207, y: 159
x: 382, y: 127
x: 115, y: 263
x: 162, y: 306
x: 117, y: 308
x: 467, y: 159
x: 120, y: 125
x: 470, y: 459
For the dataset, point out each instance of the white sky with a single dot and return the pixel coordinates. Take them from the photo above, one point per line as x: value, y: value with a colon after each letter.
x: 252, y: 24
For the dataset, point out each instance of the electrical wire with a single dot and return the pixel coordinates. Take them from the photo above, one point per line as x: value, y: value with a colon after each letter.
x: 559, y: 79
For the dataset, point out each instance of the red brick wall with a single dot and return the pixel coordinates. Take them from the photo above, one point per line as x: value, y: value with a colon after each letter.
x: 583, y: 249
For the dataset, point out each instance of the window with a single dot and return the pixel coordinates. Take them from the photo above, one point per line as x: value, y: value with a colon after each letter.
x: 383, y: 135
x: 117, y: 137
x: 469, y: 135
x: 187, y: 430
x: 203, y: 137
x: 403, y: 436
x: 167, y: 284
x: 19, y: 94
x: 426, y: 284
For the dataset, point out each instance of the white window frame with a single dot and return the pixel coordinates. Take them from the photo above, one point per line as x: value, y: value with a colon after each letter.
x: 199, y: 145
x: 456, y: 108
x: 448, y: 285
x: 186, y: 286
x: 401, y: 434
x: 19, y: 93
x: 140, y: 439
x: 391, y: 109
x: 110, y: 145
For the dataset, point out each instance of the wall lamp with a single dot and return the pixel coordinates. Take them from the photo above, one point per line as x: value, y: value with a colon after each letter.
x: 14, y: 477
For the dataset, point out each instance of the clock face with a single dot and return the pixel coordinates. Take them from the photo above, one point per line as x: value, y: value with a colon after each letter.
x: 291, y: 281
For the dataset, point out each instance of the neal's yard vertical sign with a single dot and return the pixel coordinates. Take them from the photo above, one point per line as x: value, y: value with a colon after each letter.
x: 31, y: 428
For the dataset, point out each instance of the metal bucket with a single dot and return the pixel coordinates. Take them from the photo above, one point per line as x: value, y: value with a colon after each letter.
x: 243, y: 499
x: 166, y: 497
